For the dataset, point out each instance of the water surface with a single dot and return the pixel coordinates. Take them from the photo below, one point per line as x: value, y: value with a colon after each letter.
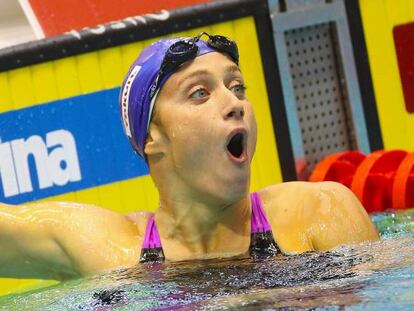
x: 368, y: 276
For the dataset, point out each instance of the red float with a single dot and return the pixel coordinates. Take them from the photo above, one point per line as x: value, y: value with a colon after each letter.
x: 339, y: 167
x: 403, y: 188
x: 381, y: 180
x: 373, y: 180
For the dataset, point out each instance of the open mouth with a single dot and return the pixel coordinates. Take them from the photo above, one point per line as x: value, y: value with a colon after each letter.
x: 235, y: 147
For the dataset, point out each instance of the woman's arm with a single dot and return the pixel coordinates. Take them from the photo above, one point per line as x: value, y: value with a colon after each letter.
x: 27, y: 245
x: 60, y: 240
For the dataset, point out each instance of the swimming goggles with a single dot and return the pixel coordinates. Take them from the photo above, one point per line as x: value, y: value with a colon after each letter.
x: 184, y: 50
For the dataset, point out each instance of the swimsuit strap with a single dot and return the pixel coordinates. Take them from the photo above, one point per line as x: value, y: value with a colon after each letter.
x: 259, y: 222
x: 151, y: 247
x: 262, y: 243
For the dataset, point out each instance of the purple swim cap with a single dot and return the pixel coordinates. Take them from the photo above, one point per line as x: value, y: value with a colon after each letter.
x: 136, y: 107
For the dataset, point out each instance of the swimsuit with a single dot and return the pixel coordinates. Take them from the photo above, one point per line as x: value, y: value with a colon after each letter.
x: 262, y: 243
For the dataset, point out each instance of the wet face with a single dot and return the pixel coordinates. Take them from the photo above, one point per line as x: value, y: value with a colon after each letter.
x: 208, y: 128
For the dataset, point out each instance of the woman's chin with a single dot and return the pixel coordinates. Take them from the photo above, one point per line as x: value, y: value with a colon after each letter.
x: 235, y: 190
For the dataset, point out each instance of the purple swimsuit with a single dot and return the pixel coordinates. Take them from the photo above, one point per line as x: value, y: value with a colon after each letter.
x: 262, y: 243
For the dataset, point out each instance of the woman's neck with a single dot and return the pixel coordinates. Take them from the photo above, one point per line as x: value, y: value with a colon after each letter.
x: 203, y: 229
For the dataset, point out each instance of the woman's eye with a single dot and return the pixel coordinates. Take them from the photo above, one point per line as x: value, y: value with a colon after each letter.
x: 239, y: 90
x: 199, y: 93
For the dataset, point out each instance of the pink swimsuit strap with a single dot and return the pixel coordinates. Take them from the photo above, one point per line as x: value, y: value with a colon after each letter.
x: 259, y: 222
x: 152, y: 237
x: 260, y: 229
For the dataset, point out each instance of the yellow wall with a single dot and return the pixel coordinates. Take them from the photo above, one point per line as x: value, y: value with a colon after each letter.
x: 105, y: 69
x: 379, y: 18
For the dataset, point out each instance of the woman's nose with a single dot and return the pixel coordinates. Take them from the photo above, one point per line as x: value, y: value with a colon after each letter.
x: 235, y: 112
x: 234, y: 108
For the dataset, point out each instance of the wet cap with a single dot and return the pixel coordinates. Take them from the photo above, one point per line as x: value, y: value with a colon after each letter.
x: 135, y: 104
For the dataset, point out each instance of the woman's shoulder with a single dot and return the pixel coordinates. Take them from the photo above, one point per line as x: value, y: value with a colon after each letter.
x: 325, y: 214
x: 300, y: 199
x: 298, y: 190
x: 285, y: 208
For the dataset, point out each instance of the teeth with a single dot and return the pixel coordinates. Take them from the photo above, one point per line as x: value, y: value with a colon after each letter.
x: 235, y: 146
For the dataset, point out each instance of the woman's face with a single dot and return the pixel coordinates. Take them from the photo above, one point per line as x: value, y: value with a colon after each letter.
x: 209, y: 127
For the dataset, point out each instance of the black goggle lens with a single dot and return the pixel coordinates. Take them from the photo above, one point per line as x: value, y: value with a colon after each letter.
x: 177, y: 54
x: 225, y: 45
x: 182, y: 51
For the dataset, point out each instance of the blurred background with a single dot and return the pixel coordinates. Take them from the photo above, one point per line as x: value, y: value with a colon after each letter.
x: 26, y: 20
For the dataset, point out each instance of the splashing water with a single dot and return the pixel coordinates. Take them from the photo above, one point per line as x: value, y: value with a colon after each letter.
x: 368, y: 276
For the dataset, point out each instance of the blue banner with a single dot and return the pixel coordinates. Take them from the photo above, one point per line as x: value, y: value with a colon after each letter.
x: 64, y: 146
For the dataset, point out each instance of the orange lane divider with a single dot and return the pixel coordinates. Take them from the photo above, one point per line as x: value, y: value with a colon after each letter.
x: 372, y: 182
x: 403, y: 188
x: 381, y: 180
x: 338, y: 167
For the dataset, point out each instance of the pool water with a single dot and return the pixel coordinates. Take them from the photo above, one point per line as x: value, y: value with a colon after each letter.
x: 368, y: 276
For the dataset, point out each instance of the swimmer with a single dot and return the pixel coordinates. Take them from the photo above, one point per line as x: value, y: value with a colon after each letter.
x: 185, y: 111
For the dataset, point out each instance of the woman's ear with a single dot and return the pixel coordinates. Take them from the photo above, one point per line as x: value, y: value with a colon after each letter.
x: 156, y: 141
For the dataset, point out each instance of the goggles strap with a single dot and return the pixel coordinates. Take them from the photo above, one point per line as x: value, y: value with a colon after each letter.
x: 151, y: 108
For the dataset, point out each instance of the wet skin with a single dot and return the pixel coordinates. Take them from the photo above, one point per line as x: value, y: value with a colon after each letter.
x: 204, y: 207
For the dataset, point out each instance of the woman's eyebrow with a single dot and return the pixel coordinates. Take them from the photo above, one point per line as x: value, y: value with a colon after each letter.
x: 233, y: 68
x: 203, y: 72
x: 200, y: 72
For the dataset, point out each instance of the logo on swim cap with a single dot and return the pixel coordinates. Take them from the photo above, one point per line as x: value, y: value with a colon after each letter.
x: 125, y: 99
